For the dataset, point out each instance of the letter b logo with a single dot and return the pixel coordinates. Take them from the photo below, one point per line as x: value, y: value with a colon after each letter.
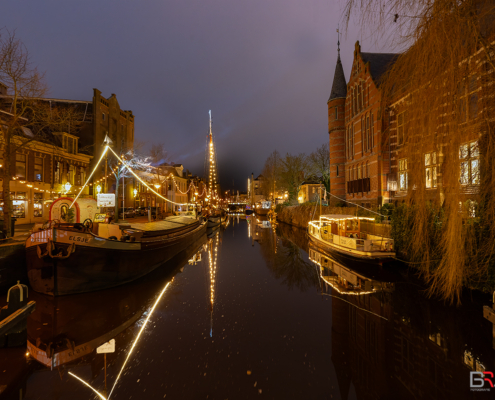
x: 474, y: 379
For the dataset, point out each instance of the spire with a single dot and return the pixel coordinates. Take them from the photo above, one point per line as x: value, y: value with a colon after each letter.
x: 339, y: 86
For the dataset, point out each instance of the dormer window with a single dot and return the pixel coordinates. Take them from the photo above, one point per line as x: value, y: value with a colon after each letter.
x: 69, y: 143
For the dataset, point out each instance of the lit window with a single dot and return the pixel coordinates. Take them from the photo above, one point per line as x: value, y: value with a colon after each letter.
x: 38, y: 204
x: 469, y: 168
x: 403, y: 175
x: 431, y: 170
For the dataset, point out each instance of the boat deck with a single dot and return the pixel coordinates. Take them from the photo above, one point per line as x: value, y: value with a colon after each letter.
x: 168, y: 225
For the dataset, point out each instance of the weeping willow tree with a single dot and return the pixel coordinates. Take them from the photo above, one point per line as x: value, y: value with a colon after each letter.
x: 439, y: 98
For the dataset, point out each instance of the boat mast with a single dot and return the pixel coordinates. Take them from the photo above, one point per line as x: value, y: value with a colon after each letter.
x: 212, y: 173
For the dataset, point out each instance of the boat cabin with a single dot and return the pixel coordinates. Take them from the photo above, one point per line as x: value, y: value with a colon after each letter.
x: 344, y: 232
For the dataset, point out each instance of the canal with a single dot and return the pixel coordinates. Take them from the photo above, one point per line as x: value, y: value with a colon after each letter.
x: 253, y: 311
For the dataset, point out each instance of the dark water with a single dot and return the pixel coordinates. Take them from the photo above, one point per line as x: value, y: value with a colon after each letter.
x: 248, y: 314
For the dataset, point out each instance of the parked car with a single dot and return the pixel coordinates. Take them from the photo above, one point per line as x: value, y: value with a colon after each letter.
x: 129, y: 213
x: 141, y: 211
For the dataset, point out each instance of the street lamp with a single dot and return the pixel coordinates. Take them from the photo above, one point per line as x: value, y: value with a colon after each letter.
x: 98, y: 189
x: 67, y: 186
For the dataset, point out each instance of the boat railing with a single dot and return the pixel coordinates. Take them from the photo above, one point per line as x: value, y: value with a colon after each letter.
x: 372, y: 243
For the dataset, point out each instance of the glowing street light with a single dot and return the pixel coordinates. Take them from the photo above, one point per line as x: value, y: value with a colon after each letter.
x: 98, y: 189
x: 67, y: 186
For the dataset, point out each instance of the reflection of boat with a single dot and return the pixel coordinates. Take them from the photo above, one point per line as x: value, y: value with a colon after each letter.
x: 70, y: 258
x: 248, y: 211
x: 263, y: 207
x: 64, y: 329
x: 210, y: 232
x: 343, y: 233
x: 347, y: 280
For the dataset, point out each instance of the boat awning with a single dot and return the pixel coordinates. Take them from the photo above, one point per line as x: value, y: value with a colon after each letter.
x: 340, y: 217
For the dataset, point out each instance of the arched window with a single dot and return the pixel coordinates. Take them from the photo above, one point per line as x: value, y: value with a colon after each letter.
x: 367, y: 169
x: 359, y: 172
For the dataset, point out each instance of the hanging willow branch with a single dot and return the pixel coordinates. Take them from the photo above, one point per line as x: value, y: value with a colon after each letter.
x: 443, y: 81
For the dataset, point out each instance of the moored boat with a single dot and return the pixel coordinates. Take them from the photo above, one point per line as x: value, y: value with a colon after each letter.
x: 342, y: 233
x: 72, y: 258
x: 263, y: 208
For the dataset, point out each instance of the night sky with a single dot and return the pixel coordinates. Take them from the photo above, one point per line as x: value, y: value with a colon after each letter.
x: 264, y: 68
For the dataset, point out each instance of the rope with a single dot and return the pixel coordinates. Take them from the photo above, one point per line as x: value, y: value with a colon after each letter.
x: 357, y: 205
x: 363, y: 309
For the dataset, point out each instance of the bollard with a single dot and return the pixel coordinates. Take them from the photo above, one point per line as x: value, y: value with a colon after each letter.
x: 16, y: 299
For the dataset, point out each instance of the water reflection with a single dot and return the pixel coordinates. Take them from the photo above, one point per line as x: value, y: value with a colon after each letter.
x: 390, y: 341
x: 228, y: 327
x: 284, y: 258
x: 65, y: 330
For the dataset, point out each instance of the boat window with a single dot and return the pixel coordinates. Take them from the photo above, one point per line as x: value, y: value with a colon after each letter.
x: 64, y: 212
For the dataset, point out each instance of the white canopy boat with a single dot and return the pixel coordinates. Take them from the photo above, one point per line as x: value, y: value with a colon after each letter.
x: 342, y: 233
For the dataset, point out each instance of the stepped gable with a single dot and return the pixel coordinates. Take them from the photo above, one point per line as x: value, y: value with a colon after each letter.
x: 339, y: 86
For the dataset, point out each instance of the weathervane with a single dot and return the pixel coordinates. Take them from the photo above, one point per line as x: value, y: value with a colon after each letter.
x: 338, y: 41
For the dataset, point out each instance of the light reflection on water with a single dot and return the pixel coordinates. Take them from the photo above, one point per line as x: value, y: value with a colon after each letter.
x: 252, y: 314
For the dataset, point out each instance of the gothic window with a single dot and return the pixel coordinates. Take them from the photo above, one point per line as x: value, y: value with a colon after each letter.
x: 367, y: 169
x: 359, y: 172
x: 469, y: 156
x: 362, y: 95
x: 367, y: 133
x: 431, y: 170
x: 359, y: 97
x: 372, y: 132
x: 403, y: 175
x: 354, y: 92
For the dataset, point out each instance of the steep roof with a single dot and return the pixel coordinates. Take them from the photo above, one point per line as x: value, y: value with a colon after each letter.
x: 379, y: 63
x: 339, y: 86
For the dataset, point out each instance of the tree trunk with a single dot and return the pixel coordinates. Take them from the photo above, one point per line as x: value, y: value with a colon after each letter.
x: 7, y: 201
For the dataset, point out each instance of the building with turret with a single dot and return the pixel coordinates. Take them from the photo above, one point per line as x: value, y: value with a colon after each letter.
x: 357, y: 127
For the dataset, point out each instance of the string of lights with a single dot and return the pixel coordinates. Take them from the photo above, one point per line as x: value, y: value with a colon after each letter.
x: 144, y: 183
x: 92, y: 172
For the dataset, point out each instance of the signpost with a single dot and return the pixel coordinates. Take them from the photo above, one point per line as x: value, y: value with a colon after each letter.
x: 105, y: 200
x: 108, y: 347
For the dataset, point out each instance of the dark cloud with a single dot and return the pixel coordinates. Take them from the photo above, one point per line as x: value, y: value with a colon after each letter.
x: 264, y: 68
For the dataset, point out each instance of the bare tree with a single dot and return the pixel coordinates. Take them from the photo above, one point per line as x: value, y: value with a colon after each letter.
x: 270, y: 173
x: 319, y: 164
x: 25, y: 116
x: 291, y: 174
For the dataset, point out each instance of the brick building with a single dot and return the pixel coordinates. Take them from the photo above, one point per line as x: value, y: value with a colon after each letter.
x: 358, y: 136
x: 69, y: 156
